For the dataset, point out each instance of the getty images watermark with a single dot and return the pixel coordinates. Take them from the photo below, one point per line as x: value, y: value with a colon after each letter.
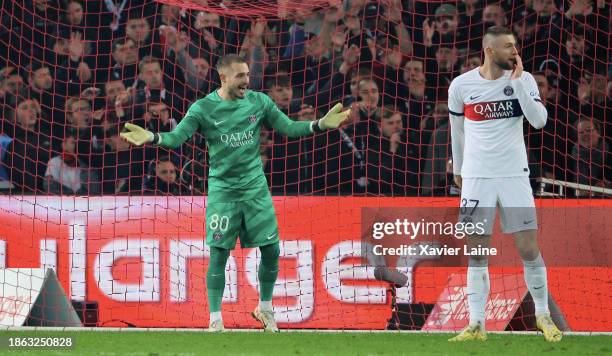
x: 439, y: 235
x: 412, y: 230
x: 422, y: 234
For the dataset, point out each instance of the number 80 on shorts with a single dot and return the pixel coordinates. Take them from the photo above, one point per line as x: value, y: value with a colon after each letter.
x: 217, y: 222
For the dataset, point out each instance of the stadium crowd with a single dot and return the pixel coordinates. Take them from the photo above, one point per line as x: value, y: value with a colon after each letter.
x: 74, y: 72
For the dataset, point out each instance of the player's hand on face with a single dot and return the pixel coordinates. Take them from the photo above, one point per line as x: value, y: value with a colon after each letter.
x: 518, y: 68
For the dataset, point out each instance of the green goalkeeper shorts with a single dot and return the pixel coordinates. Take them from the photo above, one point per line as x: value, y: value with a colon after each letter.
x: 254, y: 221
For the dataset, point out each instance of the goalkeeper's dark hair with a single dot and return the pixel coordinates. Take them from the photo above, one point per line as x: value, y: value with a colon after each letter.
x: 228, y: 60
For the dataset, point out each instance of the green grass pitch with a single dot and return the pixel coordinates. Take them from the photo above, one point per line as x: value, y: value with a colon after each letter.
x: 150, y: 343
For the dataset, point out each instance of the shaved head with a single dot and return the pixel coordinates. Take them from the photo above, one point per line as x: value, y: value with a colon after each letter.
x: 499, y: 45
x: 494, y: 32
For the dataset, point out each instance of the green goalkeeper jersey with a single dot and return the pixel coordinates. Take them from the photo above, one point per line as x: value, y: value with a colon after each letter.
x: 231, y: 129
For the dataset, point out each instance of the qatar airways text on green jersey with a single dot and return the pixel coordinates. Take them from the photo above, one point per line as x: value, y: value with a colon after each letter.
x: 231, y: 129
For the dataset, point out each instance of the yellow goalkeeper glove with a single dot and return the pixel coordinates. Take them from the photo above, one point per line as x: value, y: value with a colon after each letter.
x: 334, y: 118
x: 137, y: 135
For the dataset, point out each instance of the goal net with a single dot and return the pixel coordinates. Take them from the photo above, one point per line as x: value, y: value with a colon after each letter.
x: 123, y: 226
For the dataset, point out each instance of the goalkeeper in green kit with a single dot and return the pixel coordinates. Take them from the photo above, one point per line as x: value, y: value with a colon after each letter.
x: 239, y: 202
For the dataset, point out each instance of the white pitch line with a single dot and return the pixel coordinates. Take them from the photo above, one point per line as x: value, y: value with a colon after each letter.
x: 205, y: 330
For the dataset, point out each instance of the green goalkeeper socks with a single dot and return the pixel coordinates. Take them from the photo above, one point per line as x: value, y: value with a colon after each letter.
x: 215, y: 277
x: 268, y: 270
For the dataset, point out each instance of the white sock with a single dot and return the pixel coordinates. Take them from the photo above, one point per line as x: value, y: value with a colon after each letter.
x: 265, y: 305
x: 535, y: 277
x: 215, y: 316
x: 477, y: 292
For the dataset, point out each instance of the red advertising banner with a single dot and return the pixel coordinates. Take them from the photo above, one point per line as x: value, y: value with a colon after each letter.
x: 143, y: 259
x: 451, y: 311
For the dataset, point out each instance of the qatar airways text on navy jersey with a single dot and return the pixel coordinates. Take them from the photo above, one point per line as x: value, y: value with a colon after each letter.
x: 487, y: 123
x: 504, y: 109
